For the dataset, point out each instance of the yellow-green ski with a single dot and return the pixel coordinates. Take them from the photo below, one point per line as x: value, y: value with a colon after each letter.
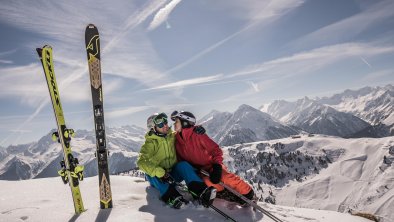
x: 70, y: 172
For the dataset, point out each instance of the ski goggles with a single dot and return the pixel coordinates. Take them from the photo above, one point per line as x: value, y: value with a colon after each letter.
x: 160, y: 120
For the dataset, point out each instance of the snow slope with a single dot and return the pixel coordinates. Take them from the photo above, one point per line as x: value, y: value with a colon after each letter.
x: 48, y: 199
x: 354, y: 177
x: 358, y: 180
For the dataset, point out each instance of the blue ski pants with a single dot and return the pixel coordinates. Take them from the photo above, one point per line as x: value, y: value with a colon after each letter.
x: 180, y: 171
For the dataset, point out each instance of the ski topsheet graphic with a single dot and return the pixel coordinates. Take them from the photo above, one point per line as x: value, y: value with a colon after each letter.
x: 71, y: 172
x: 92, y: 42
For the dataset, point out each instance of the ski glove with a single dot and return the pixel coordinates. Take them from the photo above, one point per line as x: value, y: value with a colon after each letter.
x: 159, y: 172
x: 167, y: 178
x: 199, y: 129
x: 216, y: 174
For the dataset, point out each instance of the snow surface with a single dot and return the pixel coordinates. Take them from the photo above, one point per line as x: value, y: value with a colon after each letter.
x: 48, y: 199
x: 357, y: 179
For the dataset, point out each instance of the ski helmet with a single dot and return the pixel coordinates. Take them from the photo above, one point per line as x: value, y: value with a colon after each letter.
x: 149, y: 122
x: 187, y: 118
x: 156, y: 120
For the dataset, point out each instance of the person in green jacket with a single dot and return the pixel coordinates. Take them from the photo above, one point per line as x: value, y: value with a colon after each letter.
x: 158, y: 160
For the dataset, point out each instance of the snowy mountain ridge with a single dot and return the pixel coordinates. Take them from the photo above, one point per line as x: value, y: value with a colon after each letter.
x: 314, y: 117
x: 41, y: 159
x: 246, y: 124
x: 374, y: 105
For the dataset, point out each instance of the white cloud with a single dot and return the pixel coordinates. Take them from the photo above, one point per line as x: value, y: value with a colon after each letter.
x: 365, y: 61
x: 312, y: 60
x: 63, y: 24
x: 125, y: 111
x: 66, y: 31
x: 20, y: 131
x: 207, y: 50
x: 302, y: 63
x: 162, y: 15
x: 256, y: 10
x: 7, y: 52
x: 349, y: 27
x: 271, y: 9
x: 255, y: 86
x: 259, y: 13
x: 132, y: 22
x: 374, y: 76
x: 6, y: 61
x: 26, y: 83
x: 189, y: 82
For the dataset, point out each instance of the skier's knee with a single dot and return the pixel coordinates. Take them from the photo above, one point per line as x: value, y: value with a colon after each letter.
x: 182, y: 165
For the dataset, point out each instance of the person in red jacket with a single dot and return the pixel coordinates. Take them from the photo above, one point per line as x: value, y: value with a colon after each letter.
x: 204, y: 154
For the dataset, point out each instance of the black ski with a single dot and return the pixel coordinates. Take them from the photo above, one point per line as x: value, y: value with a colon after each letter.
x: 92, y: 42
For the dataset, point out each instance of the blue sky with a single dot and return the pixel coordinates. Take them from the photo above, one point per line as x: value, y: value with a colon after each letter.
x: 186, y: 55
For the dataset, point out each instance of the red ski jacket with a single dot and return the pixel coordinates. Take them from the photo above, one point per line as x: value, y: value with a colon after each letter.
x: 199, y: 150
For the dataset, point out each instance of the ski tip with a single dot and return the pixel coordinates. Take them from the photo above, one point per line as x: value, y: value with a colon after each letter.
x: 39, y: 50
x: 91, y: 26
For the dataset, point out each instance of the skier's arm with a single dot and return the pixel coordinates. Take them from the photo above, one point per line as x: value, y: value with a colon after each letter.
x: 147, y: 163
x: 212, y: 148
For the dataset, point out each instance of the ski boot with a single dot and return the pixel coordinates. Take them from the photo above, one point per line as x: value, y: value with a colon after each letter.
x: 228, y: 196
x: 251, y: 196
x: 205, y: 195
x: 173, y: 198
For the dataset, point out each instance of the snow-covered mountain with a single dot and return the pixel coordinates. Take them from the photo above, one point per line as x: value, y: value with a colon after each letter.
x: 314, y: 117
x: 320, y: 172
x: 246, y: 124
x: 41, y: 159
x: 372, y: 104
x: 134, y: 200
